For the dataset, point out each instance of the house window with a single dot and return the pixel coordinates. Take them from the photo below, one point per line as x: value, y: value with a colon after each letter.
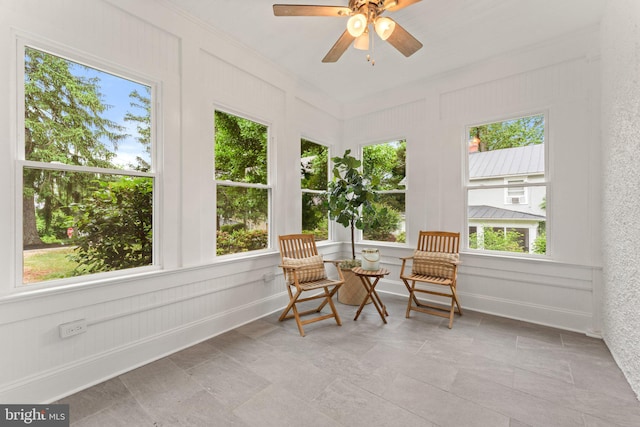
x: 314, y: 166
x: 515, y: 195
x: 506, y: 186
x: 87, y: 170
x: 385, y: 164
x: 242, y: 184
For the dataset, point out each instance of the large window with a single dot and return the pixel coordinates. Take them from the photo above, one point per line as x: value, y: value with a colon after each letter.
x: 87, y: 170
x: 507, y: 186
x: 242, y: 190
x: 314, y: 161
x: 386, y: 164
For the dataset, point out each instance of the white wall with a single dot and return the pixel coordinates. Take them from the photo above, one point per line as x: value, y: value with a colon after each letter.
x: 559, y: 78
x: 621, y: 204
x: 194, y: 296
x: 138, y: 319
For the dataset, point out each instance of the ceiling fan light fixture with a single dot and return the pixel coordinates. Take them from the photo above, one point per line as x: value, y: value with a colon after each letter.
x: 384, y: 27
x: 362, y: 42
x: 357, y: 24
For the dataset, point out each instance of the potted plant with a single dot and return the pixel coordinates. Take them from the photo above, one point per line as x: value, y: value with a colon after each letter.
x: 350, y: 199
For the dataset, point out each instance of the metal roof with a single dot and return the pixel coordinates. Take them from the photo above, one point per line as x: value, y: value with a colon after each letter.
x: 491, y: 212
x: 527, y: 160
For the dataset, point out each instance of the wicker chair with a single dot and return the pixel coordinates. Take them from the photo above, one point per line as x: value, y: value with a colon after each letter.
x: 435, y: 265
x: 304, y: 272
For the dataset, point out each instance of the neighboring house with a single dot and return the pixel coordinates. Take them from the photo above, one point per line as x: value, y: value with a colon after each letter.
x: 520, y: 208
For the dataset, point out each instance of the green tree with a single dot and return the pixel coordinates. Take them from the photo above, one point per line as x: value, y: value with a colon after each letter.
x: 314, y: 165
x: 540, y: 244
x: 240, y: 149
x: 115, y: 226
x: 509, y: 133
x: 241, y: 157
x: 314, y: 176
x: 64, y: 123
x: 497, y: 240
x: 141, y: 103
x: 387, y: 162
x: 388, y: 220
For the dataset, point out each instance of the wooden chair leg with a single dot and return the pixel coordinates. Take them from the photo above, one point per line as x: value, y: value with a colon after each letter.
x: 332, y: 305
x: 455, y: 297
x: 411, y: 297
x: 298, y: 321
x: 292, y: 302
x: 453, y: 303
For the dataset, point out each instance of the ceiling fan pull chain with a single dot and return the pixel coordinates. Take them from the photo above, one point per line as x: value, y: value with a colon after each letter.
x: 373, y: 51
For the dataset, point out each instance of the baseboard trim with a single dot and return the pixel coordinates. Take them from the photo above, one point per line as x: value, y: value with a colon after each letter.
x: 569, y: 320
x: 50, y: 386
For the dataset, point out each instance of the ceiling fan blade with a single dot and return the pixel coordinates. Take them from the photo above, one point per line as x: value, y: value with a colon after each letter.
x: 303, y: 10
x: 399, y: 4
x: 339, y: 48
x: 403, y: 41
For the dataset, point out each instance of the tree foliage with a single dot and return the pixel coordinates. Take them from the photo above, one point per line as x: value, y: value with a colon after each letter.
x: 388, y: 220
x: 114, y: 226
x: 497, y: 240
x: 314, y: 165
x: 314, y: 176
x: 540, y: 244
x: 510, y: 133
x: 64, y: 123
x: 240, y: 149
x: 387, y: 162
x: 240, y: 157
x: 141, y: 102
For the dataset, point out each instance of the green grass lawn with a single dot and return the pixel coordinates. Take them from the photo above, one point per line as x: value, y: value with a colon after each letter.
x: 46, y: 264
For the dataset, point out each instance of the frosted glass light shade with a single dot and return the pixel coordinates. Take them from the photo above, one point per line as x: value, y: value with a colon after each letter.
x: 362, y: 42
x: 384, y: 27
x: 357, y: 24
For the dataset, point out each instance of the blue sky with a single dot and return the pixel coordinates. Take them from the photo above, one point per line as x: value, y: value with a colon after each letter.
x: 115, y: 92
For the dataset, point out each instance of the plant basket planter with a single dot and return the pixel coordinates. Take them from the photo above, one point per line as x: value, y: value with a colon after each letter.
x: 351, y: 292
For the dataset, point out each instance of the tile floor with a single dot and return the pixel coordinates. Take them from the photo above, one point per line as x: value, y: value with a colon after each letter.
x: 486, y: 371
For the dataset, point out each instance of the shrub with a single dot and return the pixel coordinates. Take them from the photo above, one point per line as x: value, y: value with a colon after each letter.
x: 387, y: 220
x: 241, y: 241
x: 114, y: 226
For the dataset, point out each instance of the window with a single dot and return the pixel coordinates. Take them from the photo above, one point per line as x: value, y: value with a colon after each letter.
x: 386, y: 164
x: 515, y: 195
x: 507, y: 186
x: 86, y: 162
x: 241, y: 179
x: 314, y: 167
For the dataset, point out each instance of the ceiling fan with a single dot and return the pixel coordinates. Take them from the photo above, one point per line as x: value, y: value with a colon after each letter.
x: 362, y: 14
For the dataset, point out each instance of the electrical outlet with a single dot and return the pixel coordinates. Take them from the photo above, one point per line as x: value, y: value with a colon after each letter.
x: 73, y: 328
x: 268, y: 277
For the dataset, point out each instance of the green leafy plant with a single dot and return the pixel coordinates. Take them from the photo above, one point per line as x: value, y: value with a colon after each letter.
x: 351, y: 196
x: 388, y: 221
x: 114, y: 226
x: 240, y: 240
x: 497, y: 240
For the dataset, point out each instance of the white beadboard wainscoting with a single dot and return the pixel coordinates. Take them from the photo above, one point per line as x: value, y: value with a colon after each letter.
x: 194, y: 295
x: 131, y: 322
x: 538, y: 291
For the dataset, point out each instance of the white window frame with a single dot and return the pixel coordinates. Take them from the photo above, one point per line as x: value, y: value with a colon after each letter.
x: 360, y: 233
x: 23, y: 42
x: 268, y: 186
x: 320, y: 192
x: 470, y: 185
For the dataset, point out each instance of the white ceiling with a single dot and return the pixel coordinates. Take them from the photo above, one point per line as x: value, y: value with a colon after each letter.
x: 455, y: 33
